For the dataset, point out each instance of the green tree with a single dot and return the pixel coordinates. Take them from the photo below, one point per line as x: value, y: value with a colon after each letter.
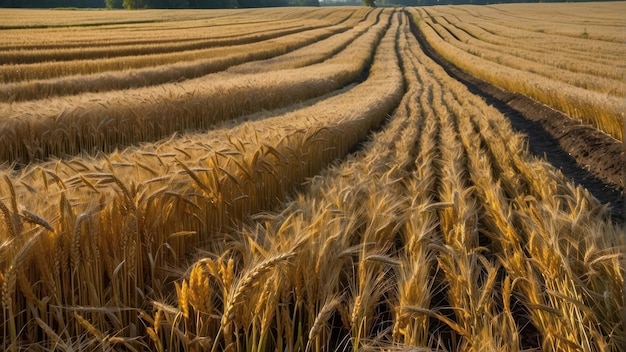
x: 113, y: 4
x: 132, y: 4
x: 167, y: 4
x: 51, y: 3
x: 212, y: 4
x: 370, y: 3
x: 262, y: 3
x: 303, y: 3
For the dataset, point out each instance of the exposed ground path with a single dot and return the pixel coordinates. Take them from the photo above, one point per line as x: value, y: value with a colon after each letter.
x: 584, y: 154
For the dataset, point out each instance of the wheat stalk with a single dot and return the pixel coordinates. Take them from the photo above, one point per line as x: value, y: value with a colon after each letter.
x: 241, y: 286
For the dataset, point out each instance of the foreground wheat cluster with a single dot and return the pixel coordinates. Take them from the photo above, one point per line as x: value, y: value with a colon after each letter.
x: 199, y: 189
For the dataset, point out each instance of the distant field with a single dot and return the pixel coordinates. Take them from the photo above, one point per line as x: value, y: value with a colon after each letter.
x: 33, y: 18
x: 303, y: 179
x: 568, y: 57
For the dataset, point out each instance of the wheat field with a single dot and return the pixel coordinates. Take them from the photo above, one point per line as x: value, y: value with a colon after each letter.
x: 549, y: 52
x: 294, y: 179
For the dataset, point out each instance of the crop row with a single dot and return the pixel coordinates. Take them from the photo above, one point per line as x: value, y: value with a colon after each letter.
x: 219, y: 60
x: 51, y: 69
x: 102, y: 122
x: 44, y: 19
x: 584, y: 85
x: 558, y: 20
x: 440, y: 230
x: 33, y: 56
x: 111, y: 36
x: 36, y: 21
x: 228, y: 35
x: 112, y: 253
x: 578, y: 72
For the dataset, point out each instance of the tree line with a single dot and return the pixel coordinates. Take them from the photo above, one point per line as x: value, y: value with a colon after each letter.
x: 154, y: 4
x: 205, y: 4
x: 52, y: 3
x: 219, y: 4
x: 466, y: 2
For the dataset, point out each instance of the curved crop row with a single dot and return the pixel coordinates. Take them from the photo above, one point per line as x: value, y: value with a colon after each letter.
x: 605, y: 111
x: 116, y: 35
x: 324, y: 256
x: 52, y: 69
x: 511, y: 55
x: 310, y: 54
x: 35, y: 22
x: 46, y: 19
x: 505, y: 188
x: 574, y: 55
x: 106, y: 81
x: 559, y: 20
x: 231, y: 35
x: 352, y: 264
x: 121, y: 220
x: 22, y: 57
x: 89, y: 123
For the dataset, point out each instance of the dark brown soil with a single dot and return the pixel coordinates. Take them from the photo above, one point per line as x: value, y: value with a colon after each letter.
x: 584, y: 154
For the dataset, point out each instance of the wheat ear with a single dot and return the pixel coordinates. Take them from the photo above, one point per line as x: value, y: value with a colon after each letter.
x: 36, y: 219
x: 8, y: 219
x: 248, y: 280
x: 322, y: 317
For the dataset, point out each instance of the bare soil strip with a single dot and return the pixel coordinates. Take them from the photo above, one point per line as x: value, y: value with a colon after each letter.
x: 584, y: 154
